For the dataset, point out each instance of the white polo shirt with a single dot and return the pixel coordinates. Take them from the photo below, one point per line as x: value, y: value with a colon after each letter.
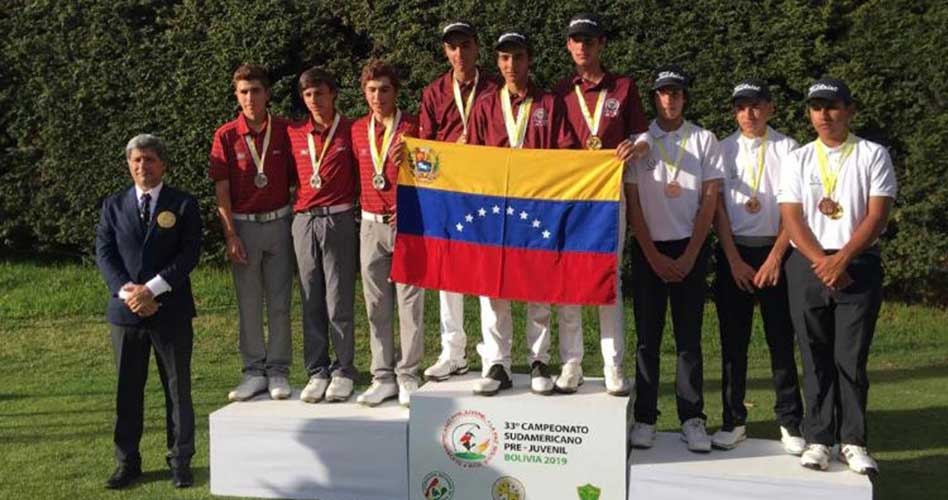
x: 667, y: 218
x: 740, y: 157
x: 867, y: 172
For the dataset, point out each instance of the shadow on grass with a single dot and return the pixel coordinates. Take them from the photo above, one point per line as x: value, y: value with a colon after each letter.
x: 201, y: 475
x: 11, y: 397
x: 927, y: 477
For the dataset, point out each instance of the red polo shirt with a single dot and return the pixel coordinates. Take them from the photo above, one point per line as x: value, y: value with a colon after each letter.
x: 374, y: 200
x: 337, y: 168
x: 622, y: 113
x: 438, y: 116
x: 231, y: 161
x: 547, y: 127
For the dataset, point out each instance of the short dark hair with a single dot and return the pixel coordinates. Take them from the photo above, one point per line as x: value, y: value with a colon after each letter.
x: 250, y: 72
x: 315, y: 76
x: 377, y: 68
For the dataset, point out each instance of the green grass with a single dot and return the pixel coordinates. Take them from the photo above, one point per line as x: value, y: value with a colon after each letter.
x: 56, y: 390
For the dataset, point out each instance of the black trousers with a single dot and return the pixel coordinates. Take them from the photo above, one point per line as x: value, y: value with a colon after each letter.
x: 834, y: 331
x: 650, y: 296
x: 132, y: 347
x: 735, y: 317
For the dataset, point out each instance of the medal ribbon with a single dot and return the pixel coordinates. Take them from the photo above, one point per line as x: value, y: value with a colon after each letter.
x: 827, y: 175
x: 592, y: 120
x: 465, y: 108
x: 758, y: 174
x: 378, y: 157
x: 316, y: 163
x: 516, y: 129
x: 675, y: 167
x: 252, y: 146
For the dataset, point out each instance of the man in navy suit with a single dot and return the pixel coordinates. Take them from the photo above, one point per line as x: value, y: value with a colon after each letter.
x: 147, y: 242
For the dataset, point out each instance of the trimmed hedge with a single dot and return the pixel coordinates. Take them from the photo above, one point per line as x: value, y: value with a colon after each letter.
x: 78, y: 79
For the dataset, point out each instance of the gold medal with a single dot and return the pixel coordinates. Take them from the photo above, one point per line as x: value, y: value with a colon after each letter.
x: 594, y: 142
x: 462, y: 139
x: 166, y: 219
x: 673, y: 189
x: 752, y: 205
x: 829, y: 207
x: 260, y: 180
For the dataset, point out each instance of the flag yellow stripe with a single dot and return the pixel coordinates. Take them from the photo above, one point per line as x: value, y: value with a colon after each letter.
x: 550, y: 174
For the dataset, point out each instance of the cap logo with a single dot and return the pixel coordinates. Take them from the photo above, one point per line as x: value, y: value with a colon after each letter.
x: 746, y: 86
x: 455, y: 25
x: 670, y: 74
x: 822, y: 86
x: 507, y: 36
x: 574, y: 22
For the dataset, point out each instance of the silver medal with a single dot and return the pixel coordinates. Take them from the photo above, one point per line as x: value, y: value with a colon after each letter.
x: 378, y: 181
x: 315, y: 181
x: 260, y: 180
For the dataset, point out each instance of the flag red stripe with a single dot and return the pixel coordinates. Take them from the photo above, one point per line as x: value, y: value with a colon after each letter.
x: 529, y: 275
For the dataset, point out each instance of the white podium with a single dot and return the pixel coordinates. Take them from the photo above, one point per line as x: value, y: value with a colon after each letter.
x: 291, y: 449
x: 755, y: 469
x: 517, y: 445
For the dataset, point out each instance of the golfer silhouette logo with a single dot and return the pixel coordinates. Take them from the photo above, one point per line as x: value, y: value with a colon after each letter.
x: 469, y: 439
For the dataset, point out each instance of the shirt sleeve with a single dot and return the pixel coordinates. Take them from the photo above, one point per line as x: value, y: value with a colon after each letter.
x: 882, y: 181
x: 426, y: 116
x: 477, y: 132
x: 219, y: 163
x: 563, y: 130
x: 712, y: 164
x: 791, y: 180
x: 634, y: 115
x: 158, y: 285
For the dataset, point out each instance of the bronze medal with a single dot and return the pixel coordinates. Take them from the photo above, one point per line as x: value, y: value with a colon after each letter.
x: 752, y: 205
x: 673, y: 189
x: 828, y: 207
x: 260, y: 180
x: 378, y: 182
x: 593, y: 142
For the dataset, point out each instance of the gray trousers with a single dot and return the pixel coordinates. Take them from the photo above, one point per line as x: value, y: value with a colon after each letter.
x: 377, y: 245
x: 267, y: 275
x: 326, y: 258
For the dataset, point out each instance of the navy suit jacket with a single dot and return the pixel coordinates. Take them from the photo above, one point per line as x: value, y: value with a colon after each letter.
x: 127, y: 252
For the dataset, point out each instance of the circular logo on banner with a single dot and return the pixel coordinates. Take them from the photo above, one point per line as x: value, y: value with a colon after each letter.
x: 437, y: 486
x: 469, y: 439
x: 508, y: 488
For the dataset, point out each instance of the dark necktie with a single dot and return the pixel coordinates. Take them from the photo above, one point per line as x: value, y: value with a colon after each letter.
x: 145, y: 210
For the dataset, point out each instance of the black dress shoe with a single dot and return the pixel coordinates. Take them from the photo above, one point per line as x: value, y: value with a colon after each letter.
x: 181, y: 476
x: 123, y: 476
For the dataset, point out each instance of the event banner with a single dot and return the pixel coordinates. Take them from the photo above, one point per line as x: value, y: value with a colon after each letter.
x: 521, y: 224
x: 517, y: 445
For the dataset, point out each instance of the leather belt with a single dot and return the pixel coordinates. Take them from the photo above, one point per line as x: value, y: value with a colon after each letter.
x: 264, y: 216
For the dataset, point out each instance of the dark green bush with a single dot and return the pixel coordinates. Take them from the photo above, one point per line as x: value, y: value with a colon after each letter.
x: 79, y: 78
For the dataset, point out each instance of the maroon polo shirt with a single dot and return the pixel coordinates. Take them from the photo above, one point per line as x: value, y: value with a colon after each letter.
x: 547, y: 127
x: 438, y: 116
x: 231, y: 161
x: 337, y: 168
x: 622, y: 113
x: 374, y: 200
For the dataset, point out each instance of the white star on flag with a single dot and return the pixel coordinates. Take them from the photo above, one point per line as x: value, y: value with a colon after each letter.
x: 546, y: 234
x: 460, y: 226
x: 469, y: 218
x: 481, y: 212
x: 523, y: 215
x: 496, y: 209
x: 536, y: 223
x: 510, y: 210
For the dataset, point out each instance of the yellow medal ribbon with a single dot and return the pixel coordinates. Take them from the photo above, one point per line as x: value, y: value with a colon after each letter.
x: 252, y: 146
x: 675, y: 167
x: 465, y: 108
x: 317, y: 162
x: 378, y: 157
x: 592, y: 120
x: 828, y: 175
x: 758, y: 174
x: 516, y: 128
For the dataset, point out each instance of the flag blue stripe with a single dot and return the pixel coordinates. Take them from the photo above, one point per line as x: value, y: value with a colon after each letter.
x: 566, y: 226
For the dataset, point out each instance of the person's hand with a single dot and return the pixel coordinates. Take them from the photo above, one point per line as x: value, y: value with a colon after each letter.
x: 624, y: 150
x: 235, y: 250
x: 397, y: 152
x: 147, y: 308
x: 829, y: 269
x: 137, y: 295
x: 768, y: 274
x: 665, y: 268
x: 843, y: 282
x: 391, y: 219
x: 743, y: 274
x: 640, y: 150
x: 683, y: 264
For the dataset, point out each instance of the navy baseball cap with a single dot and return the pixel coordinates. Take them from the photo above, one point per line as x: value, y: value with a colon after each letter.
x: 460, y: 27
x: 830, y: 89
x: 670, y: 75
x: 752, y: 89
x: 514, y: 38
x: 585, y: 24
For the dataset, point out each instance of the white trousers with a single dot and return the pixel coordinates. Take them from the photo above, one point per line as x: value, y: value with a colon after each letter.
x: 453, y: 338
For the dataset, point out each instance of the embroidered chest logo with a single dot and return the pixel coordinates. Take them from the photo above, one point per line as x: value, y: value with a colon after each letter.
x: 611, y: 107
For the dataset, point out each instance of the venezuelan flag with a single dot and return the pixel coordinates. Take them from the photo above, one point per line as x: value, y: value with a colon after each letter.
x: 519, y: 224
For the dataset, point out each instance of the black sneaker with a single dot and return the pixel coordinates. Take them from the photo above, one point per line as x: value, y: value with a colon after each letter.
x: 495, y: 381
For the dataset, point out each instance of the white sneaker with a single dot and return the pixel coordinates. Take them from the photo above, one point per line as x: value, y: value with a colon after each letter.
x: 540, y: 380
x: 377, y: 393
x: 694, y: 433
x: 495, y: 381
x: 616, y: 383
x: 249, y: 387
x: 793, y: 445
x: 816, y: 457
x: 728, y: 440
x: 858, y: 459
x: 571, y: 377
x: 314, y: 390
x: 339, y: 389
x: 405, y: 389
x: 642, y: 435
x: 443, y: 369
x: 279, y: 387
